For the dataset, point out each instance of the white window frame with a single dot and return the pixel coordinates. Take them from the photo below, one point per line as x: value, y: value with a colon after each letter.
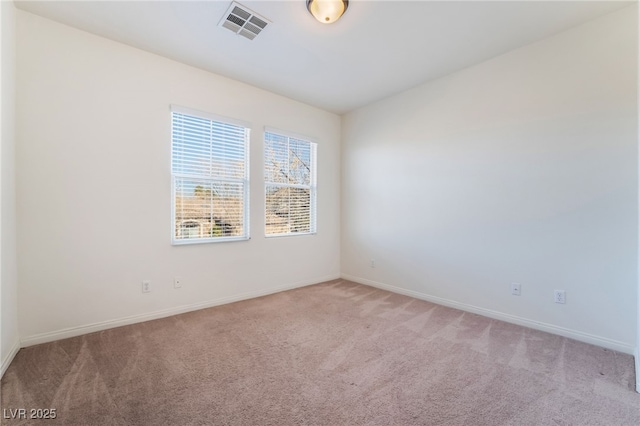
x: 313, y: 182
x: 245, y: 180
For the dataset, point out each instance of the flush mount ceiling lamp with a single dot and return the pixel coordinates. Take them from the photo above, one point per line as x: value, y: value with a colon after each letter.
x: 327, y: 11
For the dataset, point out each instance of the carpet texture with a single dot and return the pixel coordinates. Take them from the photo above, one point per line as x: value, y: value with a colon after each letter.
x: 336, y: 353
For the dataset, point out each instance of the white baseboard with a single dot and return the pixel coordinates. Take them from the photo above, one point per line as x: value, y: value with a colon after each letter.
x: 7, y: 361
x: 104, y: 325
x: 525, y: 322
x: 637, y: 358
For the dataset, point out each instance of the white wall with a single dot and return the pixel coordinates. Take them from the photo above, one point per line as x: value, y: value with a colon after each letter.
x: 94, y: 189
x: 637, y: 351
x: 9, y: 341
x: 521, y: 169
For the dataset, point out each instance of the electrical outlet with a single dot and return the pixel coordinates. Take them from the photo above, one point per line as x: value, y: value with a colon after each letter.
x: 372, y: 263
x: 559, y: 296
x: 177, y: 282
x: 515, y: 289
x: 146, y: 286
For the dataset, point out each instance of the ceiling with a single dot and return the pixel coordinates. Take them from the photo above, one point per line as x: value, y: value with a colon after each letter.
x: 378, y: 48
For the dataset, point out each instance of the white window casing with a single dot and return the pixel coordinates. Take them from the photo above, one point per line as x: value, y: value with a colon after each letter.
x: 210, y: 178
x: 290, y: 184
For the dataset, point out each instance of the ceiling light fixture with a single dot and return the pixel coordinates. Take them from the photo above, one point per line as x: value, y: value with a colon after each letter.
x: 327, y: 11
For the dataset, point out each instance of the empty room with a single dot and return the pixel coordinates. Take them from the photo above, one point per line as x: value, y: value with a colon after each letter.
x: 319, y: 212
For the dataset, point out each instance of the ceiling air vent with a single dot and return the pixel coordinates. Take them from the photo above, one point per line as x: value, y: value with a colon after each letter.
x: 243, y: 21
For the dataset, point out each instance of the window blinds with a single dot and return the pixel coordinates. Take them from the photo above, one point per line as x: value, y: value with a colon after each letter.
x: 210, y: 179
x: 290, y: 185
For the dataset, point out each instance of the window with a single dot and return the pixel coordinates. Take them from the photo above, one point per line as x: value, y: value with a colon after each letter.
x: 290, y: 185
x: 209, y: 168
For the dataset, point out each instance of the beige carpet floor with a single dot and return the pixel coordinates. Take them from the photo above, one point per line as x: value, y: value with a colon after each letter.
x: 335, y: 353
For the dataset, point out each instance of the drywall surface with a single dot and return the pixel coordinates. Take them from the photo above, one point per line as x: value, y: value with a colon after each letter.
x: 522, y: 169
x: 9, y: 338
x: 637, y: 351
x: 94, y: 187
